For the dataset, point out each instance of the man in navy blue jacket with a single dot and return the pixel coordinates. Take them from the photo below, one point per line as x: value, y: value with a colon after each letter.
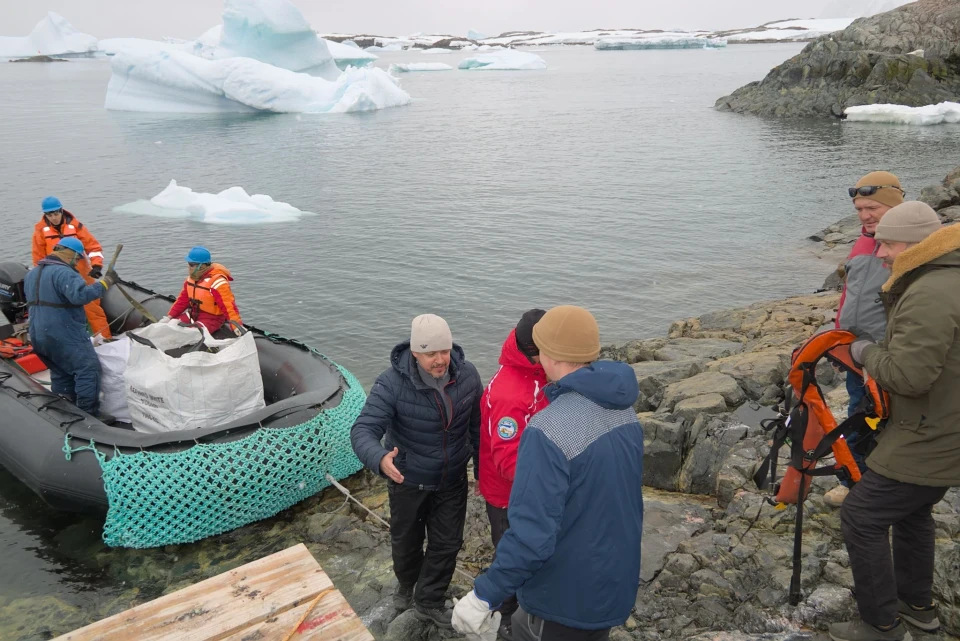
x: 572, y: 553
x: 427, y: 404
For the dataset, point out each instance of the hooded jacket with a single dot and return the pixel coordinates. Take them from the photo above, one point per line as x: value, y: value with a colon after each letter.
x: 918, y: 363
x: 513, y: 395
x: 572, y: 553
x: 434, y: 448
x: 860, y: 306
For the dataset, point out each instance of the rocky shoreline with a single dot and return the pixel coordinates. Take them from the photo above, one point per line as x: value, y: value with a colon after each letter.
x: 907, y: 56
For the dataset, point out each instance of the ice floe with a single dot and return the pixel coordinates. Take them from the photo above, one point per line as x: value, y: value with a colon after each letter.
x: 53, y: 36
x: 233, y: 206
x: 505, y: 60
x: 419, y: 66
x: 475, y: 35
x: 945, y: 112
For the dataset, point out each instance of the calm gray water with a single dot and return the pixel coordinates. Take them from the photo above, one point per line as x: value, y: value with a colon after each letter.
x: 607, y: 181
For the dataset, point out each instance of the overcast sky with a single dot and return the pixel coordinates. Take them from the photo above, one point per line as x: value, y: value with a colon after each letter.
x: 189, y: 18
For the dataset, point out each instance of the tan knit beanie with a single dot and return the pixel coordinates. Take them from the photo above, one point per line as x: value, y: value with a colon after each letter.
x: 886, y: 196
x: 569, y: 334
x: 910, y: 222
x: 430, y: 333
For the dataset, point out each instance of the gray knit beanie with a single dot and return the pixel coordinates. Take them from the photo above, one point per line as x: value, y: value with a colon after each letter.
x: 430, y: 333
x: 910, y: 222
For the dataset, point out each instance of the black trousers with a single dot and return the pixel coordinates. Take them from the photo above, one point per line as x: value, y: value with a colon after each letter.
x: 528, y: 627
x: 874, y: 505
x: 498, y: 525
x: 437, y: 516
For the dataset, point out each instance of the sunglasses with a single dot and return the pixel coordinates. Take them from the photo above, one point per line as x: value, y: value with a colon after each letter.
x: 870, y: 190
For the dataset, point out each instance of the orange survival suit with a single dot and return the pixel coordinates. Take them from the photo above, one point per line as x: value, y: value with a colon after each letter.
x: 207, y: 299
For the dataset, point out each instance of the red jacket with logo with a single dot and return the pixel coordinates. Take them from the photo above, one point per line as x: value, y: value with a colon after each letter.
x: 513, y: 395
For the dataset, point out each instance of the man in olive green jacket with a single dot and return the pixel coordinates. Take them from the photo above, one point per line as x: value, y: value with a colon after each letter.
x: 917, y: 456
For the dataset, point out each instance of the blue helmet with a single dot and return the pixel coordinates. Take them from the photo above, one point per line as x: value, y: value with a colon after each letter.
x: 199, y: 255
x: 71, y: 242
x: 51, y: 203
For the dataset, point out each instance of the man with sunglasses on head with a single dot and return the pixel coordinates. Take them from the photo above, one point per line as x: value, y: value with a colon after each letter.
x: 56, y: 224
x: 860, y: 307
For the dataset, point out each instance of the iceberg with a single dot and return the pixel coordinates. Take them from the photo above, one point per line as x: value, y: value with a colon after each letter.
x: 179, y: 82
x: 475, y: 35
x: 658, y: 42
x: 233, y: 206
x: 419, y: 66
x: 944, y: 112
x: 53, y: 36
x: 506, y: 60
x: 274, y: 32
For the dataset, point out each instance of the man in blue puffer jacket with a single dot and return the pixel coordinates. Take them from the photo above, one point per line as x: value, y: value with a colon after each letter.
x: 572, y: 553
x: 428, y: 407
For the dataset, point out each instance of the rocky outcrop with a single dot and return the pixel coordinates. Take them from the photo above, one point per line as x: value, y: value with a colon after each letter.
x: 908, y: 56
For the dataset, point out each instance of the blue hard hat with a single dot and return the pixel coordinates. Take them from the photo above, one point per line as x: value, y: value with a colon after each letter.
x: 199, y: 255
x: 51, y: 203
x: 71, y: 242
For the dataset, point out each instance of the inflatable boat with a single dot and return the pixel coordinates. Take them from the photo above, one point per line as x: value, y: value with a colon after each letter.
x: 180, y: 486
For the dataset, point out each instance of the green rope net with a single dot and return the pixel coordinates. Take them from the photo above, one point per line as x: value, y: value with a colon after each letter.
x: 161, y: 499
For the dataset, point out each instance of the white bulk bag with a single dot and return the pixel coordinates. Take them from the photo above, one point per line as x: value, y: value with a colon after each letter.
x: 197, y: 389
x: 113, y: 357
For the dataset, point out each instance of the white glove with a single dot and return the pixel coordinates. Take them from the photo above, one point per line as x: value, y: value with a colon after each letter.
x: 172, y: 321
x: 473, y: 618
x: 165, y: 319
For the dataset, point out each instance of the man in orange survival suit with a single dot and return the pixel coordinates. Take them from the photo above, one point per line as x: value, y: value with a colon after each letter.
x: 56, y: 224
x: 206, y: 297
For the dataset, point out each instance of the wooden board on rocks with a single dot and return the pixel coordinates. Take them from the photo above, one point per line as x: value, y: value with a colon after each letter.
x: 272, y: 599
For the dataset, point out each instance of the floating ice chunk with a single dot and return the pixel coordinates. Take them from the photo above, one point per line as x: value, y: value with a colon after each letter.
x: 475, y: 35
x: 275, y: 32
x: 233, y: 206
x: 658, y: 42
x: 350, y: 43
x: 176, y: 81
x: 945, y: 112
x: 506, y: 60
x: 434, y: 50
x: 419, y: 66
x: 53, y: 36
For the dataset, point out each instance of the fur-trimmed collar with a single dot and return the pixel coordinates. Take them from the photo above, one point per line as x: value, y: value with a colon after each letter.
x: 938, y: 244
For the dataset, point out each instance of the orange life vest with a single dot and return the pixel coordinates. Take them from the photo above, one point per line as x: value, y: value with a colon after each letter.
x: 200, y: 291
x: 808, y: 424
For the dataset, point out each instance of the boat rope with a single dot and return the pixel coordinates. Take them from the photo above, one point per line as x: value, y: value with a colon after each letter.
x: 379, y: 518
x: 69, y: 451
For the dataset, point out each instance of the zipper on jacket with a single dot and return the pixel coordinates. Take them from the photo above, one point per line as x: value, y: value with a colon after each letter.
x: 446, y: 457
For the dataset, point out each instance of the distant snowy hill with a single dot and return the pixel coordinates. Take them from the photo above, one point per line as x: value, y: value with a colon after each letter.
x: 860, y: 8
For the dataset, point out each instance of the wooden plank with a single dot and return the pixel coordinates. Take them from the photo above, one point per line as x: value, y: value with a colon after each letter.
x: 220, y: 607
x: 331, y: 619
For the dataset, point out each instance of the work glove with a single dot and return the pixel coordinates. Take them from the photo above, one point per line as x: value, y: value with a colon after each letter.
x: 96, y: 272
x: 857, y: 348
x: 109, y: 279
x: 473, y: 618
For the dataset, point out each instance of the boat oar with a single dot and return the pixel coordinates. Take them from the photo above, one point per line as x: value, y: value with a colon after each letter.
x: 116, y: 254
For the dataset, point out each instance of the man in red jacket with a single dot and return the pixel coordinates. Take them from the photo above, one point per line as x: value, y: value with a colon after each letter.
x: 512, y: 397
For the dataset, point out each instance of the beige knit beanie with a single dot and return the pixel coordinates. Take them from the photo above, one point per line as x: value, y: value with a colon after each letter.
x: 430, y: 333
x: 910, y: 222
x: 890, y: 195
x: 569, y: 334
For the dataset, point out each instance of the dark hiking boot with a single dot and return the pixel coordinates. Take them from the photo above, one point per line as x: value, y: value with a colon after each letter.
x: 439, y: 616
x: 403, y: 597
x: 106, y: 419
x: 924, y: 618
x: 860, y: 631
x: 506, y: 629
